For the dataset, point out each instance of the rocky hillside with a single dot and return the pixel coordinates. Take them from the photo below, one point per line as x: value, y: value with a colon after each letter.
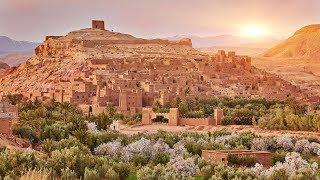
x: 304, y: 44
x: 98, y: 59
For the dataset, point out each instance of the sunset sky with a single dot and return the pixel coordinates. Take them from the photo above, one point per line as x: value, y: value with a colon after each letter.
x: 33, y: 19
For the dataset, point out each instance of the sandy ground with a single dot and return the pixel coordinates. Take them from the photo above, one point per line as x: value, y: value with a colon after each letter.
x: 233, y: 128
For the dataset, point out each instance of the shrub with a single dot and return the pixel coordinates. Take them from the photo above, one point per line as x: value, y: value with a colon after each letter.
x: 186, y: 167
x: 122, y: 169
x: 26, y: 132
x: 227, y: 120
x: 160, y: 158
x: 36, y: 175
x: 67, y: 174
x: 56, y: 131
x: 279, y: 174
x: 161, y: 119
x: 90, y: 174
x: 278, y: 157
x: 139, y: 160
x: 111, y: 149
x: 111, y: 175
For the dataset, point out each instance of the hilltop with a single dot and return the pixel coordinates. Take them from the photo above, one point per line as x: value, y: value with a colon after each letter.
x: 95, y: 67
x: 304, y: 44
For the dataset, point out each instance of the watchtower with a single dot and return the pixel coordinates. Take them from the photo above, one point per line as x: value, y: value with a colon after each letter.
x: 98, y: 24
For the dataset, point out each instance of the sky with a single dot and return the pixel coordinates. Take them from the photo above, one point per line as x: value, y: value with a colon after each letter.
x: 33, y: 19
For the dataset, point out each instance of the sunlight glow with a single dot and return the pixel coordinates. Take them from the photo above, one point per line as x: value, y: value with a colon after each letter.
x: 254, y: 31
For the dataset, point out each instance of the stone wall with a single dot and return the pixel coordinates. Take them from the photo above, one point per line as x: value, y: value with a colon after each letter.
x: 175, y: 120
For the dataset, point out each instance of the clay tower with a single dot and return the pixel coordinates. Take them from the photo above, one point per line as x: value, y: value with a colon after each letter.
x: 98, y: 24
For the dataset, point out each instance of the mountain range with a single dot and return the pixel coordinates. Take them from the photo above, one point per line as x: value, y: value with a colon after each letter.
x: 14, y: 52
x: 228, y: 40
x: 8, y: 45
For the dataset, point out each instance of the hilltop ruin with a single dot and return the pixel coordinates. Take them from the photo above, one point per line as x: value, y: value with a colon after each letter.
x: 95, y: 67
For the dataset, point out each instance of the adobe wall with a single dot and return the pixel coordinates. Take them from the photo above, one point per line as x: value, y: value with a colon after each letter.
x: 175, y: 120
x: 93, y: 43
x: 98, y: 24
x: 6, y: 126
x: 213, y: 156
x: 52, y: 37
x: 195, y: 121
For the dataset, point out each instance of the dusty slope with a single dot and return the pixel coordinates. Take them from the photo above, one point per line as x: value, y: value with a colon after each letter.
x: 304, y: 44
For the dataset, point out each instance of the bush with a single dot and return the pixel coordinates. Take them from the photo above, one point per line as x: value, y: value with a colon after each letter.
x: 138, y: 159
x: 226, y: 120
x: 160, y: 119
x: 56, y: 131
x: 160, y: 158
x: 90, y: 174
x: 122, y: 169
x: 278, y: 157
x: 26, y: 132
x: 111, y: 175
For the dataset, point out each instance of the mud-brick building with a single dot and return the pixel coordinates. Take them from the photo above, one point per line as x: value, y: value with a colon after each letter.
x: 8, y: 117
x: 215, y: 156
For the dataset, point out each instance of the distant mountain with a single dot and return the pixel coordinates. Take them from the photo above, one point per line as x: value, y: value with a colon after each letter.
x: 16, y: 58
x: 4, y: 65
x: 304, y: 44
x: 9, y: 45
x: 228, y: 40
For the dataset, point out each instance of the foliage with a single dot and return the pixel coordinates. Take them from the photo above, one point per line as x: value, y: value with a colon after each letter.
x: 27, y: 132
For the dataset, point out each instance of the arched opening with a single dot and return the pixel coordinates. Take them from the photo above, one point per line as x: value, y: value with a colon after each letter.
x: 160, y: 119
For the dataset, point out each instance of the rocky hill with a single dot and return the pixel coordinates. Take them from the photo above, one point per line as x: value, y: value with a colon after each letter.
x: 93, y: 67
x: 304, y: 44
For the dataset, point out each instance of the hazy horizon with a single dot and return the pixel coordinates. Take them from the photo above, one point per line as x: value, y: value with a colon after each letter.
x: 34, y: 19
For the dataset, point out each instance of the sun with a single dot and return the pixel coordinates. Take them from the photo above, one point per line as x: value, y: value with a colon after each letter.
x: 254, y: 31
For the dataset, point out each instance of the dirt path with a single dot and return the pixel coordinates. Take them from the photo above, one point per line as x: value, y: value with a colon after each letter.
x: 233, y: 128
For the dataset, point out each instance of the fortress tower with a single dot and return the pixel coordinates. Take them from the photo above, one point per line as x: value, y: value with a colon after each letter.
x: 98, y: 24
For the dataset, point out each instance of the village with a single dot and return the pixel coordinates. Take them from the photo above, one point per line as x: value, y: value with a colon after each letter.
x: 132, y: 82
x: 95, y: 68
